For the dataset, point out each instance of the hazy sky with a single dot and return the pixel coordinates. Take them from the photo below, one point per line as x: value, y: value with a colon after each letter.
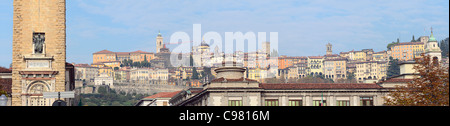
x: 304, y: 26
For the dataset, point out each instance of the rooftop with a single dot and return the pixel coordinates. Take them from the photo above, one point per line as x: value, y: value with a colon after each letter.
x: 233, y: 80
x: 103, y: 52
x: 320, y: 86
x: 5, y: 70
x: 163, y: 95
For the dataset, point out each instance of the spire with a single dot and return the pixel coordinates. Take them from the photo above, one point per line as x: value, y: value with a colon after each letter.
x: 432, y: 39
x: 159, y: 33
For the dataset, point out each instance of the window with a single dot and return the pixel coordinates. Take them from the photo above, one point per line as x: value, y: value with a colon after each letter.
x: 343, y: 103
x: 235, y: 103
x: 317, y: 103
x: 295, y: 103
x: 271, y: 102
x: 366, y: 101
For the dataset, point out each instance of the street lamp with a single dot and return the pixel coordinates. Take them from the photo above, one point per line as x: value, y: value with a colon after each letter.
x: 3, y: 100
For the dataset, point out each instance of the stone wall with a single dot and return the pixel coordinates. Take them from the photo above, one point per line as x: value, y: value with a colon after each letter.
x: 145, y: 88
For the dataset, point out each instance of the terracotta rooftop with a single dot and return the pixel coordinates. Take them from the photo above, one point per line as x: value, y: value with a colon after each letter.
x: 315, y: 57
x: 5, y: 70
x: 409, y: 43
x: 164, y: 95
x: 320, y: 86
x: 140, y: 51
x: 233, y: 80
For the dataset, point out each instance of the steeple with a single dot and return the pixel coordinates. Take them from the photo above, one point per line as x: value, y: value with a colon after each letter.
x: 432, y: 39
x: 431, y: 47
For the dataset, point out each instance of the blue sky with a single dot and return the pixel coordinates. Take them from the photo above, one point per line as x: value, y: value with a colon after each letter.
x: 304, y: 26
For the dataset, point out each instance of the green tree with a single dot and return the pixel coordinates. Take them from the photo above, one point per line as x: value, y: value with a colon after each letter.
x: 391, y: 44
x: 102, y: 90
x: 394, y: 68
x: 350, y: 75
x: 444, y: 45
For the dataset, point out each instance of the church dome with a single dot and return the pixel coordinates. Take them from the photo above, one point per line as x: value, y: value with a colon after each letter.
x: 432, y: 39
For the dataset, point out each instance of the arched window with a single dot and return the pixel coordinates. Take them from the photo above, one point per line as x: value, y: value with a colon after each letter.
x: 35, y: 92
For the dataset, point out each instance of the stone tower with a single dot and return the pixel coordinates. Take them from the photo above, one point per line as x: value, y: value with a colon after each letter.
x: 39, y: 51
x: 329, y: 49
x: 431, y: 47
x: 159, y: 42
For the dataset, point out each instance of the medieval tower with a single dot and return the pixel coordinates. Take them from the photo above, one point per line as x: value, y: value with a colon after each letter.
x: 39, y: 51
x: 329, y: 49
x: 159, y: 42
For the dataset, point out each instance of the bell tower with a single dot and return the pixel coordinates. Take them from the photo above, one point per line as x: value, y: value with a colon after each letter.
x: 39, y: 51
x: 432, y: 49
x: 159, y: 42
x: 329, y: 49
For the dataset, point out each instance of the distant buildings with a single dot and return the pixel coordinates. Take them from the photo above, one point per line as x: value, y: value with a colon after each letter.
x: 85, y: 72
x: 407, y: 50
x: 231, y: 88
x: 364, y: 66
x: 106, y: 56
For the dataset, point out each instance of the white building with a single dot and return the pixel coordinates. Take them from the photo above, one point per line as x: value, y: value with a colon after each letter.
x: 104, y: 79
x: 159, y: 99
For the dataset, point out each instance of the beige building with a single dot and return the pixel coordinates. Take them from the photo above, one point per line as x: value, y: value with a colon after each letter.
x: 380, y: 56
x: 85, y: 72
x: 39, y: 52
x: 104, y: 79
x: 335, y: 68
x: 370, y: 70
x: 315, y: 65
x: 148, y: 74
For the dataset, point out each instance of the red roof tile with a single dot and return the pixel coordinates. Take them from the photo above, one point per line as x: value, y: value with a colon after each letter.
x: 140, y: 51
x: 164, y: 95
x: 320, y: 86
x: 315, y: 57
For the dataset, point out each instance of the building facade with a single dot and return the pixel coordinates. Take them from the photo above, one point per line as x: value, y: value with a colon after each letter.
x: 407, y: 50
x: 85, y: 72
x: 109, y: 57
x: 104, y: 79
x: 370, y: 70
x: 315, y: 65
x: 335, y: 68
x: 432, y: 48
